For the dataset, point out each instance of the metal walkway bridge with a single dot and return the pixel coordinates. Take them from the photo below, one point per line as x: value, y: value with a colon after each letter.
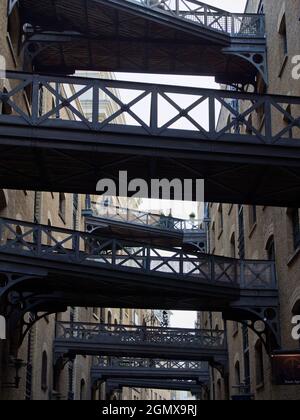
x: 44, y: 265
x: 168, y: 36
x: 59, y: 149
x: 148, y: 228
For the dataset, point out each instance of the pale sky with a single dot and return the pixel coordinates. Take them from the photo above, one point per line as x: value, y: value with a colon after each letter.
x: 182, y: 319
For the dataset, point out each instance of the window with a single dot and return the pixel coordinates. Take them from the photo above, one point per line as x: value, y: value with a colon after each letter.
x: 270, y: 248
x: 237, y: 374
x: 49, y: 238
x: 102, y: 315
x: 232, y: 246
x: 109, y: 318
x: 3, y: 199
x: 259, y: 361
x: 246, y: 355
x: 219, y: 390
x: 62, y: 206
x: 96, y: 313
x: 221, y: 219
x: 71, y: 381
x: 235, y: 328
x: 252, y: 216
x: 213, y: 238
x: 241, y: 233
x: 296, y: 227
x: 44, y: 372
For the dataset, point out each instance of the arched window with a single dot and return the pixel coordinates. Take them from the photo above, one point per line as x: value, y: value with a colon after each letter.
x: 49, y: 239
x: 295, y: 217
x: 219, y: 390
x: 62, y: 206
x: 109, y: 318
x: 3, y: 199
x: 270, y: 248
x: 237, y: 374
x: 232, y: 246
x: 44, y: 372
x: 259, y: 363
x: 82, y: 389
x: 5, y: 108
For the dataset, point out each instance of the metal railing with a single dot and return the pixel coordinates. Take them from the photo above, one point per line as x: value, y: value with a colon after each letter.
x: 234, y: 24
x: 188, y: 113
x: 69, y: 246
x: 159, y: 221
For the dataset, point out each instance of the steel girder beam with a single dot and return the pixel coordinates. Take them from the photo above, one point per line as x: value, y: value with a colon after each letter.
x: 195, y: 29
x: 239, y: 163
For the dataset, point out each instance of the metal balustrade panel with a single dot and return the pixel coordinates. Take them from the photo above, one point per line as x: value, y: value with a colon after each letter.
x: 186, y: 104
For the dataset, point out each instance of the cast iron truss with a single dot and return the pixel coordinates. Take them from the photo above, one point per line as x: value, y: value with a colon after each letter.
x: 134, y: 341
x: 169, y: 36
x: 58, y: 149
x: 104, y: 368
x: 113, y: 272
x: 147, y: 228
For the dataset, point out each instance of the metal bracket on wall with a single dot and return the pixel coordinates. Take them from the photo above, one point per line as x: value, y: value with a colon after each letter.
x: 257, y: 56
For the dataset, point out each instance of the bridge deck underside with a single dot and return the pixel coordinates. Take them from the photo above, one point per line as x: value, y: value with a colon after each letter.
x: 47, y: 160
x: 132, y: 40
